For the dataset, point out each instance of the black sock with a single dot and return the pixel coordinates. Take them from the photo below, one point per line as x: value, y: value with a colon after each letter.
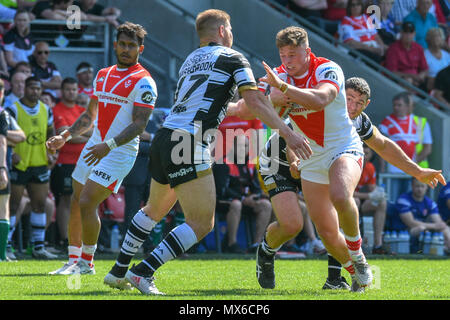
x: 334, y: 268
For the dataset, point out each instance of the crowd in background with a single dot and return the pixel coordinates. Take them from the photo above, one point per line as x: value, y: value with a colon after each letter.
x: 412, y: 41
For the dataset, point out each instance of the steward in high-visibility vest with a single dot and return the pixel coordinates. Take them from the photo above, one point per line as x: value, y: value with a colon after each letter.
x: 421, y: 123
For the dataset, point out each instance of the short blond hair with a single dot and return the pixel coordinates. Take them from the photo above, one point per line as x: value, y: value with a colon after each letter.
x: 292, y: 36
x: 209, y: 20
x: 432, y: 32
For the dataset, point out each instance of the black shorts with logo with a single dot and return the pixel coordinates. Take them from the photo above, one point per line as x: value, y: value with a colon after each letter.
x: 38, y: 175
x: 172, y: 162
x: 280, y: 182
x: 61, y: 179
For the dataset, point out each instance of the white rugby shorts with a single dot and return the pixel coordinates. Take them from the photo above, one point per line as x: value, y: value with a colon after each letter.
x: 109, y: 172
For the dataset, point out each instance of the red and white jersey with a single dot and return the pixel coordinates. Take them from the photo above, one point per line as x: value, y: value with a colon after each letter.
x: 359, y: 29
x: 328, y: 128
x: 118, y: 91
x: 404, y: 132
x: 87, y: 91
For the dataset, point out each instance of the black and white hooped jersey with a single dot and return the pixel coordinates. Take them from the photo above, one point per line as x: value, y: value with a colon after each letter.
x: 362, y: 124
x: 207, y: 82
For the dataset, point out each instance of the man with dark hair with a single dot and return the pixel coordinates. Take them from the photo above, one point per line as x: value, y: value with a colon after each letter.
x: 65, y: 113
x: 85, y: 75
x: 32, y: 171
x: 123, y: 99
x: 208, y: 79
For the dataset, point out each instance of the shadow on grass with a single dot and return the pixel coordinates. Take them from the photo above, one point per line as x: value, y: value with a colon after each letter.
x: 21, y: 275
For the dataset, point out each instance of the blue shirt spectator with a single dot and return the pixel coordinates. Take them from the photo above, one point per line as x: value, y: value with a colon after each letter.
x: 444, y: 202
x: 420, y: 210
x: 422, y: 20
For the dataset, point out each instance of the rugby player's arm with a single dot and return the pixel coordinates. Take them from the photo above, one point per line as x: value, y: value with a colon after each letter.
x: 408, y: 219
x: 311, y: 98
x: 239, y: 109
x: 85, y: 120
x: 79, y: 139
x: 392, y: 153
x: 137, y: 127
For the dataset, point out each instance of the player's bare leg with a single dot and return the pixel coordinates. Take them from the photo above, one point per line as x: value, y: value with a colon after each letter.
x: 161, y: 199
x: 344, y: 175
x: 288, y: 224
x: 197, y: 200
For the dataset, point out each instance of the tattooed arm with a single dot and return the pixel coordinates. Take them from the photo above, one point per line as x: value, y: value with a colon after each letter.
x: 140, y: 119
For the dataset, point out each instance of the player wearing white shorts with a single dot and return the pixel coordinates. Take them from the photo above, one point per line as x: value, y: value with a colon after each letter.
x: 313, y: 89
x: 123, y: 99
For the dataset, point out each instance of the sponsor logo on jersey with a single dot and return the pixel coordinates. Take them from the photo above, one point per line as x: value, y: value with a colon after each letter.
x: 100, y: 79
x: 332, y: 75
x: 147, y: 97
x: 181, y: 173
x: 128, y: 83
x: 102, y: 175
x: 145, y: 86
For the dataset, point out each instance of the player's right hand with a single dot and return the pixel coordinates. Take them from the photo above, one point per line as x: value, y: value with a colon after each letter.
x: 54, y: 143
x: 299, y: 145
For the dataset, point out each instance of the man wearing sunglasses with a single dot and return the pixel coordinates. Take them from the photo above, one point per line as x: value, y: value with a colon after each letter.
x: 45, y: 70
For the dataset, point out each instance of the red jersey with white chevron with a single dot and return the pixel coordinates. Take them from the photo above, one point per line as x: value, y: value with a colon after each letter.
x: 404, y: 132
x: 118, y: 91
x: 327, y: 128
x: 360, y: 29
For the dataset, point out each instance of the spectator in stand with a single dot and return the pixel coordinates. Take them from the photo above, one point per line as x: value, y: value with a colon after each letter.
x: 54, y: 10
x: 65, y: 113
x: 422, y: 20
x: 402, y: 129
x: 18, y: 41
x: 444, y: 203
x: 32, y: 171
x: 239, y: 192
x: 371, y: 200
x: 83, y: 100
x: 424, y: 145
x: 48, y: 99
x: 387, y: 29
x: 17, y: 88
x: 333, y: 15
x: 441, y: 87
x: 308, y: 9
x: 406, y: 58
x: 45, y: 70
x: 437, y: 58
x: 85, y: 76
x: 400, y: 9
x: 357, y: 32
x: 24, y: 67
x: 98, y: 13
x: 417, y: 213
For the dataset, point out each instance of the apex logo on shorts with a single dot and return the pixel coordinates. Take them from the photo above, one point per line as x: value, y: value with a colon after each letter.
x: 181, y: 172
x: 102, y: 175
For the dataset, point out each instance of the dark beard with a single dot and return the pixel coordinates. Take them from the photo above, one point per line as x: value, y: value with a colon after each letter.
x: 123, y: 64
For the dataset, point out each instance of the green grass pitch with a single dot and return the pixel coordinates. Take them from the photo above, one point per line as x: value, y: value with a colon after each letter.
x: 225, y: 277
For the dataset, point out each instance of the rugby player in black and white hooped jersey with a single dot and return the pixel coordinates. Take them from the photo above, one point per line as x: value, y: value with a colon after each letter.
x: 286, y: 177
x: 208, y: 79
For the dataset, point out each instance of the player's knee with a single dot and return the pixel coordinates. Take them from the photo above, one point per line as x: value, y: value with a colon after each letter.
x: 236, y: 205
x: 292, y: 228
x: 341, y: 200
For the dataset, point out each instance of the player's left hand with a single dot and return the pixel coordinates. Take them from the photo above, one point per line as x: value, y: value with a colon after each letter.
x: 293, y: 168
x: 431, y: 177
x: 96, y: 153
x: 270, y: 78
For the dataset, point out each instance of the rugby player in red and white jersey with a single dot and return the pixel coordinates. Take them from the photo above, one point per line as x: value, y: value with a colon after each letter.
x: 314, y: 88
x: 123, y: 99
